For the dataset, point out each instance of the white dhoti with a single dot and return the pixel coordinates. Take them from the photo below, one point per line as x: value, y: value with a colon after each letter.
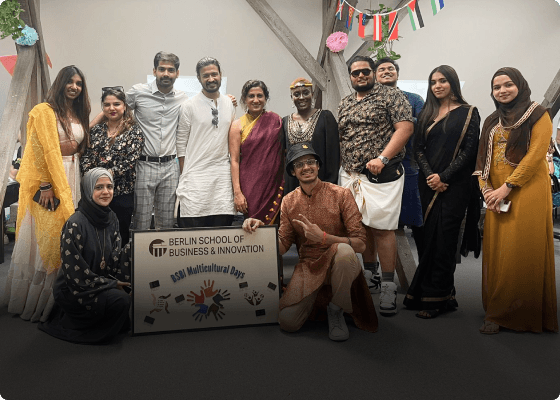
x: 379, y: 203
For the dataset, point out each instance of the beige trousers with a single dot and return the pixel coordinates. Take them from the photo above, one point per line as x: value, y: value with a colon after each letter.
x: 344, y: 268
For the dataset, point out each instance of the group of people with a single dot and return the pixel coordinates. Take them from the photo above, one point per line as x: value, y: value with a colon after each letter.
x: 190, y: 163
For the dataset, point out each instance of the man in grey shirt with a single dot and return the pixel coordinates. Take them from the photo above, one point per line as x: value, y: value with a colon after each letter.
x: 156, y: 108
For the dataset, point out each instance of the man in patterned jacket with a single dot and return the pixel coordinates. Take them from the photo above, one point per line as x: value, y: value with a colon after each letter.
x: 374, y: 125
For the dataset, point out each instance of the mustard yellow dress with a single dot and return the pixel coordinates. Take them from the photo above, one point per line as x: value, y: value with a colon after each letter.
x: 518, y: 280
x: 36, y: 255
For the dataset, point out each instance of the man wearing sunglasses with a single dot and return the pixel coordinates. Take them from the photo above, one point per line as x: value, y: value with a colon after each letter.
x: 374, y: 125
x: 325, y: 223
x: 205, y: 192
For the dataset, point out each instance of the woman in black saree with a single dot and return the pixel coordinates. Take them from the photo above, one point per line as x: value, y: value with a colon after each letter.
x: 446, y: 143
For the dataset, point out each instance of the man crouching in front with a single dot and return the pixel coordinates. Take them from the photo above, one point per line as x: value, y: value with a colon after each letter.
x: 325, y: 223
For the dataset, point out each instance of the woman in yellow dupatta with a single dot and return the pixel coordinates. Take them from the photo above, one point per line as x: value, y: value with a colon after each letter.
x: 257, y: 170
x: 57, y: 133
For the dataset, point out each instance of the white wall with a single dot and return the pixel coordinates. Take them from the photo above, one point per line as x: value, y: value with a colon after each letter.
x: 477, y: 37
x: 114, y: 42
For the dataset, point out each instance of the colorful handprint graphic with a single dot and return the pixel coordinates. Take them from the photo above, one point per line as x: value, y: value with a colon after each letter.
x: 209, y: 301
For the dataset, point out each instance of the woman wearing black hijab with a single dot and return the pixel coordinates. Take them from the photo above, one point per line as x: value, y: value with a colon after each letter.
x: 91, y: 305
x: 518, y: 283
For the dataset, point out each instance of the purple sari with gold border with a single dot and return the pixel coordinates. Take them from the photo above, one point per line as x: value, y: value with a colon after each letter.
x: 261, y: 169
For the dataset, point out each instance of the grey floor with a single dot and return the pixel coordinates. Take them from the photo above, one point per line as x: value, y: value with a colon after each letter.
x: 408, y: 358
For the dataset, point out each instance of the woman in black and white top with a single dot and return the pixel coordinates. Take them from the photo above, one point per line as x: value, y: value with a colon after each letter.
x: 116, y: 144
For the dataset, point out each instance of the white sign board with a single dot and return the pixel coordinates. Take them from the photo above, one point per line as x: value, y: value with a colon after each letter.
x: 185, y: 279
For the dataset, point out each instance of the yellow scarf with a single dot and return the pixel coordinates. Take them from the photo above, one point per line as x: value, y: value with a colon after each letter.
x: 42, y: 162
x: 247, y: 125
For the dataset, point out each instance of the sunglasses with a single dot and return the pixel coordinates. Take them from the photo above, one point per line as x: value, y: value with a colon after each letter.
x: 115, y: 88
x: 215, y: 115
x: 356, y: 73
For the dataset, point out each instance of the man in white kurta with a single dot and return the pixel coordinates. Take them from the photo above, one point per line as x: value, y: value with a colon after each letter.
x: 205, y: 191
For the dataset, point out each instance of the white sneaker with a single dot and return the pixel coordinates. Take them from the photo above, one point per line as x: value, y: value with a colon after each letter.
x: 373, y: 281
x: 388, y: 298
x: 338, y: 331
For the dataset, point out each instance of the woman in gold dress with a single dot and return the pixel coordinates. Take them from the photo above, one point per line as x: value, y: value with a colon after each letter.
x: 57, y: 133
x: 518, y: 283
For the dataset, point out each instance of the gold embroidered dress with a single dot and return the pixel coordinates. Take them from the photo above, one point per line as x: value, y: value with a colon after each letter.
x: 518, y: 282
x: 36, y: 254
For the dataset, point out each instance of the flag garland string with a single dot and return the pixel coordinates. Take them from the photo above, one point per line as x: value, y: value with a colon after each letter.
x: 414, y: 13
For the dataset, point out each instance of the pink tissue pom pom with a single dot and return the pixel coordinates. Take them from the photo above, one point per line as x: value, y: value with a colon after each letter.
x: 337, y: 41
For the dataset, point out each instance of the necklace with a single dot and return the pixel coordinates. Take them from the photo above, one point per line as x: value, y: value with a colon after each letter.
x: 302, y: 131
x: 114, y: 132
x: 102, y: 264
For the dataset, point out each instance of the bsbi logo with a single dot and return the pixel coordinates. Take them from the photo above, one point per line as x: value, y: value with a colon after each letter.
x: 157, y: 248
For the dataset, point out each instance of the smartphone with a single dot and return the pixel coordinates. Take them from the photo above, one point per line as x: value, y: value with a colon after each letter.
x: 505, y: 205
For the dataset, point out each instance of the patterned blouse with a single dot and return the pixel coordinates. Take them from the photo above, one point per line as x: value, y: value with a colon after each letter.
x: 120, y: 157
x: 366, y: 126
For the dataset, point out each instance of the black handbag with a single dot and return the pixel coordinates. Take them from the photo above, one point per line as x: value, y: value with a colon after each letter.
x: 390, y: 172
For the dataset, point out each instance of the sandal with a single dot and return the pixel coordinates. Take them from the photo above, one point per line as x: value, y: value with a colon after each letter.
x: 489, y: 328
x: 428, y: 314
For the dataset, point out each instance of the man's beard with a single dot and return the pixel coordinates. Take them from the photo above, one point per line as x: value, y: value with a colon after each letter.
x: 160, y: 82
x: 365, y: 88
x: 214, y: 89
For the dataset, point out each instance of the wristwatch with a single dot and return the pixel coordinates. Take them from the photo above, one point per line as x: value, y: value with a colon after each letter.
x: 509, y: 185
x: 383, y: 159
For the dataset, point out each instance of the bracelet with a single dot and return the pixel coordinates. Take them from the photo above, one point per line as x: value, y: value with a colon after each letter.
x: 349, y: 241
x: 45, y: 188
x: 324, y: 237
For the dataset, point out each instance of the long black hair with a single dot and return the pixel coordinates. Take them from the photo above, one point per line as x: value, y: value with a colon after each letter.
x: 80, y: 106
x: 431, y: 107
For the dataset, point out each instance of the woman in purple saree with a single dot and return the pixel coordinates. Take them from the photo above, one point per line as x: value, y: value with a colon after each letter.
x: 257, y: 170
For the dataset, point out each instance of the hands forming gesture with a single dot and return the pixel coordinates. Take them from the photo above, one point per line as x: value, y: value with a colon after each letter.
x: 311, y: 231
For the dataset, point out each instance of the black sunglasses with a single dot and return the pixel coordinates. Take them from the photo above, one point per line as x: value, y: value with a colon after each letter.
x: 215, y: 119
x: 115, y: 88
x: 357, y: 72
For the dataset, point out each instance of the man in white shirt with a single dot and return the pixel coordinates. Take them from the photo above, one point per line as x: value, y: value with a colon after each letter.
x: 205, y: 191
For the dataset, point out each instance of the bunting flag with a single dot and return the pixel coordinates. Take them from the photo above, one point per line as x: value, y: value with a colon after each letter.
x: 377, y: 28
x: 349, y: 20
x: 437, y: 5
x: 393, y: 26
x: 339, y: 9
x: 415, y: 15
x: 361, y: 26
x: 9, y: 62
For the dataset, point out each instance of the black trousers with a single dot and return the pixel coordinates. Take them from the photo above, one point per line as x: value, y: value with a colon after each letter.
x: 123, y: 206
x: 206, y: 221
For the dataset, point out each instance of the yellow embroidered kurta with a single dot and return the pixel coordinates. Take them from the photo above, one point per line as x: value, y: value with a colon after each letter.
x: 518, y: 280
x: 42, y: 162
